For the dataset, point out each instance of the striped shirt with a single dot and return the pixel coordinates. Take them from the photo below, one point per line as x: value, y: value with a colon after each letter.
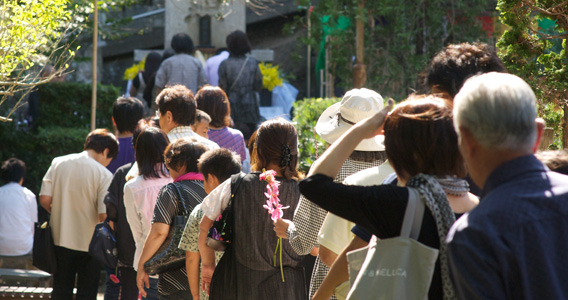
x: 231, y: 139
x: 167, y: 207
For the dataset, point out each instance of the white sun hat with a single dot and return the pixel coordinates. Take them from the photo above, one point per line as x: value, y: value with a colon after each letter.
x: 356, y: 105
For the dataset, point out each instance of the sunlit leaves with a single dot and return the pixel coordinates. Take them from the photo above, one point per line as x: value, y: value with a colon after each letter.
x: 27, y: 27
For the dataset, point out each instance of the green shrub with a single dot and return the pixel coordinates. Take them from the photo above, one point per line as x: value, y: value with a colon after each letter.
x: 37, y: 150
x: 63, y: 124
x: 307, y: 113
x: 553, y: 116
x: 68, y: 104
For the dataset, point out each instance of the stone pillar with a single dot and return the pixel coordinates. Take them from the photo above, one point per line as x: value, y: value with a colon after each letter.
x: 183, y: 16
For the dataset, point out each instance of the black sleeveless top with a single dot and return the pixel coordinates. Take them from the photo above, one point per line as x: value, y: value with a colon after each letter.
x: 247, y: 269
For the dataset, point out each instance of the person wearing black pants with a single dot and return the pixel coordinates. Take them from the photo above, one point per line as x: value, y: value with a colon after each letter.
x: 69, y: 264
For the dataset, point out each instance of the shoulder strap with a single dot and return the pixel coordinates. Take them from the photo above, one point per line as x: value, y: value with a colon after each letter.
x: 238, y: 76
x: 235, y: 182
x: 180, y: 198
x: 413, y: 215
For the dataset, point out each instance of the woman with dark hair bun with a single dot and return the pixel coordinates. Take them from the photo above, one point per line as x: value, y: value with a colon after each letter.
x: 181, y: 158
x: 240, y: 78
x: 248, y: 269
x: 214, y: 102
x: 141, y: 192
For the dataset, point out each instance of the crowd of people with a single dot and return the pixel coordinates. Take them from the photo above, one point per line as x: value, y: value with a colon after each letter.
x: 495, y: 214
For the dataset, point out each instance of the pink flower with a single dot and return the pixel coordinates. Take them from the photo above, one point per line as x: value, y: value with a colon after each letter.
x: 273, y: 203
x: 273, y: 207
x: 268, y: 176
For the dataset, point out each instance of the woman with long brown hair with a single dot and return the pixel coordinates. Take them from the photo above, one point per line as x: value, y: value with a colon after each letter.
x: 248, y: 269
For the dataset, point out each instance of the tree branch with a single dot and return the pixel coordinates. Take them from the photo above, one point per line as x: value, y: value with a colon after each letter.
x: 544, y: 11
x: 548, y: 36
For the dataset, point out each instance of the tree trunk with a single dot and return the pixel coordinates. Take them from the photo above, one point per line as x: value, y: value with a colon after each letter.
x: 565, y: 127
x: 360, y: 69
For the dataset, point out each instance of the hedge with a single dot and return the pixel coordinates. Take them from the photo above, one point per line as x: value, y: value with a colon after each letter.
x: 63, y: 125
x: 69, y: 105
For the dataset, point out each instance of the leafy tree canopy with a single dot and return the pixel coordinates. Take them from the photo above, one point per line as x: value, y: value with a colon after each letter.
x: 31, y: 34
x: 534, y: 47
x: 401, y: 36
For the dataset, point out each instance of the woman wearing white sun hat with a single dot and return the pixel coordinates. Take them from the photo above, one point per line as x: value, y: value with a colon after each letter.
x: 356, y: 105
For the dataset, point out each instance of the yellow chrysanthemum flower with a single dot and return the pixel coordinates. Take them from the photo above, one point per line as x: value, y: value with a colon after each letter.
x: 131, y: 72
x: 270, y: 76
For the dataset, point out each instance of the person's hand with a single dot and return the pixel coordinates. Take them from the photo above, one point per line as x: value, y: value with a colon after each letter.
x: 142, y: 280
x: 373, y: 126
x: 206, y: 275
x: 280, y: 227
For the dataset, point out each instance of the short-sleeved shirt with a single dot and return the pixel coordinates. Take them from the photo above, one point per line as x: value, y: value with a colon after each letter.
x: 181, y: 69
x: 125, y: 154
x: 77, y: 184
x: 189, y: 241
x: 18, y: 212
x: 231, y: 139
x: 167, y: 207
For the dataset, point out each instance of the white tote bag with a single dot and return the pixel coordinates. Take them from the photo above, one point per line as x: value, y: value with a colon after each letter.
x: 395, y: 268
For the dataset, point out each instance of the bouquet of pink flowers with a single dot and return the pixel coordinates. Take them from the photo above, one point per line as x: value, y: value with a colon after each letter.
x: 274, y: 207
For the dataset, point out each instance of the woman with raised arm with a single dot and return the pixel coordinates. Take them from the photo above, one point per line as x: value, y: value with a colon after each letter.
x: 422, y: 147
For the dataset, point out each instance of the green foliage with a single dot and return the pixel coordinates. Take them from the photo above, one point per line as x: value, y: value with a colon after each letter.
x: 63, y: 126
x: 553, y: 117
x: 38, y: 149
x: 400, y: 37
x: 534, y: 48
x: 69, y: 105
x: 26, y: 29
x: 31, y: 37
x: 114, y: 22
x: 311, y: 146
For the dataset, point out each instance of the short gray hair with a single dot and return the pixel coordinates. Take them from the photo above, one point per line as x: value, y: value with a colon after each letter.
x: 499, y: 110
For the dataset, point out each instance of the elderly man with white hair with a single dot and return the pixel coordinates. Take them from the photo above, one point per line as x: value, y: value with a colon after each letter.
x: 513, y: 245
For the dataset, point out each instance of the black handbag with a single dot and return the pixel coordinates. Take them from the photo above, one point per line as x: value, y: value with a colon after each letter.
x: 103, y: 245
x: 220, y: 235
x: 169, y: 256
x: 43, y: 255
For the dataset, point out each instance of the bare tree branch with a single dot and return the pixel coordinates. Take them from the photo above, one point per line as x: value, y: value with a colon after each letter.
x: 546, y: 36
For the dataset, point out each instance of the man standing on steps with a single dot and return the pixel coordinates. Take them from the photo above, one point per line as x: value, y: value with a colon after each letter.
x: 73, y: 191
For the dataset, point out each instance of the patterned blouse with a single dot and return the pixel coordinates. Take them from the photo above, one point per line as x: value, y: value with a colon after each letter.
x: 308, y: 219
x: 167, y: 207
x: 189, y: 241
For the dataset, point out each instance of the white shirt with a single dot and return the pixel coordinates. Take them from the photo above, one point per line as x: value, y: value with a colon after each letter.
x: 212, y: 67
x: 140, y: 197
x: 18, y: 212
x: 335, y: 233
x: 78, y: 185
x: 215, y: 203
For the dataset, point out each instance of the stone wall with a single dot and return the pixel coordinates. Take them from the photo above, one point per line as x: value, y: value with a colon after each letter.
x: 183, y: 16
